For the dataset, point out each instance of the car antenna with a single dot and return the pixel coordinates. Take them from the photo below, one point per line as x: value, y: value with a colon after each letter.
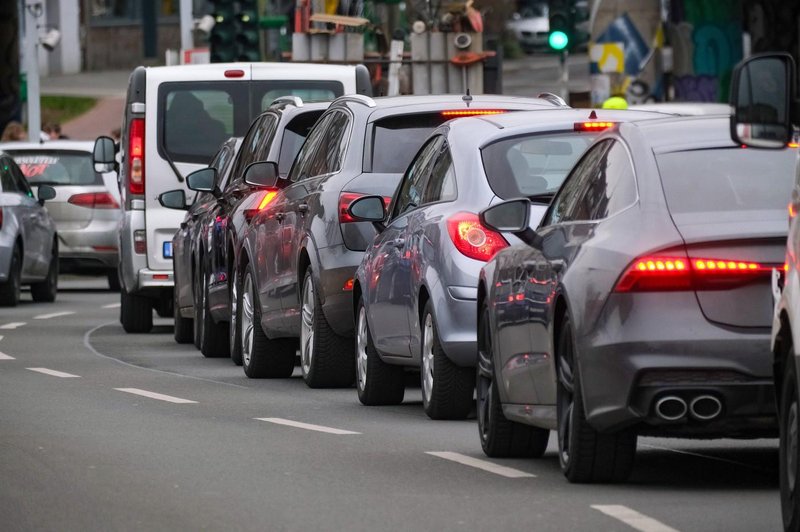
x: 467, y: 98
x: 592, y: 115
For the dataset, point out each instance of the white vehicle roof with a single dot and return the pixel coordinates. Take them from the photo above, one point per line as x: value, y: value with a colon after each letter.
x: 252, y: 71
x: 76, y: 145
x: 685, y: 108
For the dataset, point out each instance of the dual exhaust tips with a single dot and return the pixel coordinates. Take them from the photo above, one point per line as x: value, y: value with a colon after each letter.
x: 702, y: 408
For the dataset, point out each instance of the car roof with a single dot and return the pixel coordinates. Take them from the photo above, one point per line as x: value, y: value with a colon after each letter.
x: 74, y: 145
x: 685, y: 108
x: 683, y: 133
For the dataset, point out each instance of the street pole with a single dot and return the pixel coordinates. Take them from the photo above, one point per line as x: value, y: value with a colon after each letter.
x: 33, y: 10
x: 187, y: 43
x: 564, y: 75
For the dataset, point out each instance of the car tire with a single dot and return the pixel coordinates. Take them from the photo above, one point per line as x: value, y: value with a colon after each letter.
x: 9, y: 290
x: 114, y: 284
x: 45, y: 291
x: 377, y: 382
x: 326, y: 359
x: 234, y: 334
x: 585, y: 455
x: 500, y: 437
x: 447, y: 389
x: 789, y: 454
x: 184, y: 327
x: 136, y: 313
x: 213, y: 336
x: 197, y: 322
x: 262, y: 357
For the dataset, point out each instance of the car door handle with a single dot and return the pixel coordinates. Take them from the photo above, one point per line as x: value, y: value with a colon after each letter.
x: 557, y: 265
x: 280, y: 216
x: 398, y: 242
x: 303, y: 208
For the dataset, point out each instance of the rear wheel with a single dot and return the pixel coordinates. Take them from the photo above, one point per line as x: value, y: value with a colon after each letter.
x: 213, y: 336
x: 261, y: 357
x: 585, y: 454
x: 326, y: 358
x: 500, y: 437
x: 377, y: 382
x: 45, y: 291
x: 447, y: 389
x: 9, y: 290
x: 234, y: 334
x: 136, y: 313
x: 184, y: 327
x: 790, y: 446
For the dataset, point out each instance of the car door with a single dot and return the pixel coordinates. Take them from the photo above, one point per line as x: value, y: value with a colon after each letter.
x: 35, y: 222
x: 391, y: 295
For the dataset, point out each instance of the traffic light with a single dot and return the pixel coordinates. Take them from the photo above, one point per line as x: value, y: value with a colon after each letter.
x: 248, y: 36
x: 562, y: 25
x: 222, y: 38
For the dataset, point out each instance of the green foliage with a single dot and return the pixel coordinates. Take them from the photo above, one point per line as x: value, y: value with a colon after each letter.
x: 62, y: 109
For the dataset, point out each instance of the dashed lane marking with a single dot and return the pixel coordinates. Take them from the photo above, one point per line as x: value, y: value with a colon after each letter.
x: 53, y: 315
x: 632, y: 518
x: 4, y: 356
x: 112, y: 305
x: 13, y: 325
x: 55, y: 373
x: 484, y: 465
x: 154, y: 395
x: 306, y: 426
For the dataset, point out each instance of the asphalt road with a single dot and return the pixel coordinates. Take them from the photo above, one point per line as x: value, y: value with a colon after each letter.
x: 87, y: 444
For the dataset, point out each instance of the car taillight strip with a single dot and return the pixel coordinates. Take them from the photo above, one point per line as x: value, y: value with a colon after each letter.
x: 136, y: 156
x: 473, y: 112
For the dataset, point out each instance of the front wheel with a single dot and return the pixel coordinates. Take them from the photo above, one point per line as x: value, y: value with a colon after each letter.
x: 790, y: 446
x: 136, y: 313
x: 213, y: 336
x: 184, y: 327
x: 377, y: 382
x: 9, y: 290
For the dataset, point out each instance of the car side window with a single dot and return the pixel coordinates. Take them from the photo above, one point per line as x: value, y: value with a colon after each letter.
x: 441, y: 186
x: 7, y: 180
x: 22, y: 182
x: 566, y: 206
x: 410, y: 195
x: 252, y: 144
x: 302, y: 163
x: 613, y: 187
x: 328, y: 159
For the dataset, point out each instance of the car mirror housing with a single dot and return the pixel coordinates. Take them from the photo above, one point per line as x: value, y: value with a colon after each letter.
x: 104, y: 154
x: 512, y: 216
x: 45, y: 193
x: 261, y: 174
x: 202, y: 180
x: 367, y: 209
x: 174, y: 199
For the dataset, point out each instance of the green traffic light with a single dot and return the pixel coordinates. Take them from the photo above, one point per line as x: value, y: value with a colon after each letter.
x: 558, y: 40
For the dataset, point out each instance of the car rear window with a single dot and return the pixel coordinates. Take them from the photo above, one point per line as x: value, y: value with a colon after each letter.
x: 57, y: 167
x: 532, y: 165
x: 727, y: 179
x: 395, y: 140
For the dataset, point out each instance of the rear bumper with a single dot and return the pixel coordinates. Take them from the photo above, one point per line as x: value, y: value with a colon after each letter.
x: 456, y: 322
x: 337, y: 265
x: 156, y: 279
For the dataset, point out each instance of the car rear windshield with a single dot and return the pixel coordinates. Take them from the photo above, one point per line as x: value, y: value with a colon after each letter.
x: 57, y: 167
x: 397, y: 139
x: 727, y: 179
x: 532, y: 165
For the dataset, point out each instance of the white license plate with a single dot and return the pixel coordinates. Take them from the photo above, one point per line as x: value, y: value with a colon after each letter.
x: 167, y: 250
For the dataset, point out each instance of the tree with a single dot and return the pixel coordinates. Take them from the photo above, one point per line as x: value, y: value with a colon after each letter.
x: 10, y: 105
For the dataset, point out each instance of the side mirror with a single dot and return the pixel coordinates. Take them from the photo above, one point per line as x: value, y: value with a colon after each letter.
x: 45, y: 193
x: 174, y: 199
x: 512, y: 216
x: 367, y: 209
x: 762, y: 93
x: 261, y: 174
x: 104, y: 154
x: 202, y: 180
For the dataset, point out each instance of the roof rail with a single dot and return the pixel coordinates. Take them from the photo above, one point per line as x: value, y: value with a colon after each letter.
x: 358, y: 98
x: 297, y: 101
x: 553, y: 98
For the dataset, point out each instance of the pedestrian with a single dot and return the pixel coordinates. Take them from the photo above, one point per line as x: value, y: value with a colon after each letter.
x: 57, y: 132
x: 14, y: 131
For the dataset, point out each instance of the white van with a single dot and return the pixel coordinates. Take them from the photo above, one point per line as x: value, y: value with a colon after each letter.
x: 175, y: 119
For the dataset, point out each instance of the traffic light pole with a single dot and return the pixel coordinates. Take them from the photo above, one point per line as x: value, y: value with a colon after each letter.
x: 564, y: 75
x: 32, y: 10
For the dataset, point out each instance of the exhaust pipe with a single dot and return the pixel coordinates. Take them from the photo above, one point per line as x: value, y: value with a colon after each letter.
x: 671, y: 408
x: 705, y: 407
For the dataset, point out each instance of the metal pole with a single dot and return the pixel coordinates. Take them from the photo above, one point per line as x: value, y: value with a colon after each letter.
x: 33, y: 9
x: 187, y: 42
x: 564, y: 75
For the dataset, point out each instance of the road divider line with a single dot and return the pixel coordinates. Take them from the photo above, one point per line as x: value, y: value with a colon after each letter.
x: 53, y: 315
x: 55, y: 373
x: 632, y: 518
x: 112, y: 305
x: 4, y: 356
x: 13, y: 325
x: 154, y: 395
x: 484, y: 465
x: 306, y: 426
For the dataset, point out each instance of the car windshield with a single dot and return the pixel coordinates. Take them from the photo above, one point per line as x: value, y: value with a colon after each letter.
x: 57, y: 167
x: 727, y: 179
x: 532, y: 165
x: 398, y: 138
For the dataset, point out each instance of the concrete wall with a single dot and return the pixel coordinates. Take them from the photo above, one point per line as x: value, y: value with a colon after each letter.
x: 119, y: 47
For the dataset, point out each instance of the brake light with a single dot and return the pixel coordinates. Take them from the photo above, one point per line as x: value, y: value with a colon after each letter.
x: 670, y: 273
x: 473, y: 239
x: 234, y: 73
x: 140, y: 241
x: 346, y: 198
x: 136, y: 156
x: 792, y: 211
x: 94, y: 200
x: 593, y: 126
x: 793, y: 145
x: 472, y: 112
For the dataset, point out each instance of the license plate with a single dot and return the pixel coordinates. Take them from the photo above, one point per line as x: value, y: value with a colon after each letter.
x: 167, y: 250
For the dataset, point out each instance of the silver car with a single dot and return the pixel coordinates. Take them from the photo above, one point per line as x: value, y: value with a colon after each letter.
x: 28, y: 242
x: 86, y: 207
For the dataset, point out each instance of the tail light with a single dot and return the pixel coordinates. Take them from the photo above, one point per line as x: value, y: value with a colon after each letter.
x: 140, y: 241
x: 472, y: 112
x: 673, y: 273
x: 269, y: 195
x: 473, y: 239
x: 593, y: 126
x: 94, y: 200
x: 136, y: 156
x: 346, y: 198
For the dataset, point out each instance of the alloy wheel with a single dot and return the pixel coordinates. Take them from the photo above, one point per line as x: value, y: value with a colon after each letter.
x: 427, y: 358
x: 565, y: 402
x: 234, y: 308
x: 307, y: 326
x: 361, y: 349
x: 248, y: 298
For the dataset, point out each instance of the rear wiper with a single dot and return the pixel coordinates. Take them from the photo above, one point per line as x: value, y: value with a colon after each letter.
x: 543, y: 197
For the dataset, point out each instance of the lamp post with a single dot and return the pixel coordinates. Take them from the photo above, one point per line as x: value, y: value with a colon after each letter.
x: 32, y: 11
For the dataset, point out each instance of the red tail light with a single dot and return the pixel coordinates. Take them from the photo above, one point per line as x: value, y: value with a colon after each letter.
x: 672, y: 273
x: 346, y: 198
x: 473, y: 239
x: 472, y: 112
x: 94, y: 200
x: 593, y: 126
x: 136, y: 156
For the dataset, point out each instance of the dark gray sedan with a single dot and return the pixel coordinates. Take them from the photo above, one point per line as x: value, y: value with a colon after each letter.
x: 641, y: 304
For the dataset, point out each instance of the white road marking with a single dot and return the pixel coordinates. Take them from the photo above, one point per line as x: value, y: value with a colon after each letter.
x: 112, y: 305
x: 154, y: 395
x: 4, y: 356
x: 632, y: 518
x: 1, y: 336
x: 55, y: 373
x: 13, y: 325
x: 503, y: 471
x: 307, y: 426
x: 53, y: 315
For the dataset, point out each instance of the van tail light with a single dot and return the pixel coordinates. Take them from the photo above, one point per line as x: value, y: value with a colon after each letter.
x: 140, y: 241
x: 346, y: 198
x: 658, y: 273
x: 94, y: 200
x: 136, y: 156
x: 266, y: 199
x: 472, y: 239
